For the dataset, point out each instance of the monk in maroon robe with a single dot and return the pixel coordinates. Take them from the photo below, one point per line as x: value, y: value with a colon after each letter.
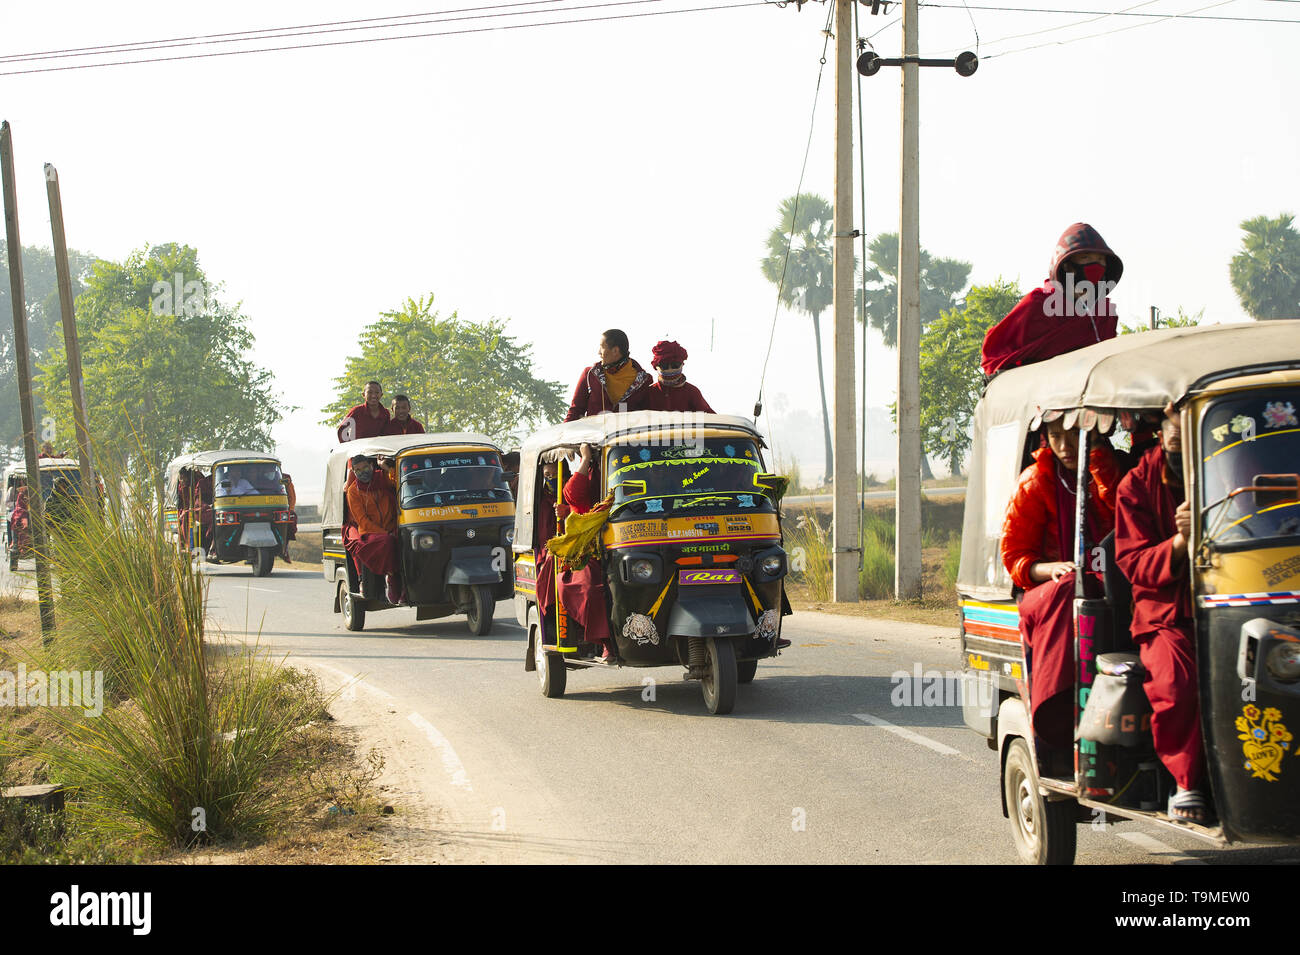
x: 370, y: 534
x: 672, y: 392
x: 401, y: 421
x: 1153, y: 522
x: 1070, y: 311
x: 583, y: 591
x: 368, y: 419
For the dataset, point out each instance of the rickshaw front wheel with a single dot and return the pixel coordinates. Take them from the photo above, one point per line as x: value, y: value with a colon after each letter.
x: 1044, y: 831
x: 354, y: 616
x: 551, y: 672
x: 719, y: 682
x: 263, y: 561
x: 481, y: 606
x: 13, y: 559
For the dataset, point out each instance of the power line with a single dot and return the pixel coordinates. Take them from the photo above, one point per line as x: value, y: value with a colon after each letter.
x: 1093, y: 36
x: 1099, y: 14
x: 405, y: 36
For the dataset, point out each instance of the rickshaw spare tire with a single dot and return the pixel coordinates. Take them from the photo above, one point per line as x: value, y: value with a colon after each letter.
x: 263, y: 561
x: 354, y: 615
x: 745, y: 671
x: 719, y: 681
x: 481, y: 607
x: 1044, y: 831
x: 551, y: 671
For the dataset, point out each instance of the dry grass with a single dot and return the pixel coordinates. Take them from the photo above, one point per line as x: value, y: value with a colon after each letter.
x: 305, y: 548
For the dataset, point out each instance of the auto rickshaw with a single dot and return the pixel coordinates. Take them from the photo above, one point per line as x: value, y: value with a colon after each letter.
x: 1236, y: 388
x: 691, y: 555
x: 230, y: 506
x: 53, y: 472
x: 455, y: 521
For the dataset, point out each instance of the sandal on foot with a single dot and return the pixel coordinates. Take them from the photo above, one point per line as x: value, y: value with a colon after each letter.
x: 1190, y: 805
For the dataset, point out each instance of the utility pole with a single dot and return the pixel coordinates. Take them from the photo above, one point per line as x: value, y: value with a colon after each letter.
x: 845, y: 557
x: 70, y: 342
x: 35, y: 505
x: 907, y: 483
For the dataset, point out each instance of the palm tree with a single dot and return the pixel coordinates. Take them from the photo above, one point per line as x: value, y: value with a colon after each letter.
x: 1266, y: 272
x: 800, y: 261
x: 941, y: 283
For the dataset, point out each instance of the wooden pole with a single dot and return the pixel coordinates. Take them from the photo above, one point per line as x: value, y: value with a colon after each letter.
x: 70, y: 342
x: 35, y: 505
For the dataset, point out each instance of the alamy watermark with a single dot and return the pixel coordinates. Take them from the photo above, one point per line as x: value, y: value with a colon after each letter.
x: 65, y: 688
x: 970, y: 689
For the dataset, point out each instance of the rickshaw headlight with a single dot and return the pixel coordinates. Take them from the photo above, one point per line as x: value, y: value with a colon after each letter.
x: 508, y: 534
x: 1283, y: 662
x: 227, y: 517
x: 642, y: 570
x: 425, y: 540
x: 771, y: 565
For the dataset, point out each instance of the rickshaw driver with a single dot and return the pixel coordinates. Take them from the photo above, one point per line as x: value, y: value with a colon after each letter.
x: 1037, y: 535
x: 1153, y: 522
x: 370, y: 536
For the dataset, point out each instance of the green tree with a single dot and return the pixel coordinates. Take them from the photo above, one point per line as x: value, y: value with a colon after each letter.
x: 1181, y: 320
x: 800, y: 261
x: 44, y: 325
x: 165, y: 365
x: 951, y: 380
x: 1266, y: 272
x: 941, y: 283
x: 459, y: 375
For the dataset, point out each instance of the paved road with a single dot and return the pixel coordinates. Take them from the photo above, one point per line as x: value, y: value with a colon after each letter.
x: 801, y: 772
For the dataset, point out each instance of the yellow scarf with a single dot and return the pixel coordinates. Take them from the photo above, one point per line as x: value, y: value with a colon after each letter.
x: 618, y: 382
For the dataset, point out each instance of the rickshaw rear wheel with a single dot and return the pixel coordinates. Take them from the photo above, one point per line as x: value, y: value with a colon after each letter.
x: 354, y: 616
x: 719, y: 682
x: 263, y: 561
x: 481, y: 606
x: 1044, y: 831
x: 551, y: 672
x: 13, y: 559
x: 745, y: 671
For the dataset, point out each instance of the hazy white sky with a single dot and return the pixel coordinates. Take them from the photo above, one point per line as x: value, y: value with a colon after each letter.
x: 626, y: 173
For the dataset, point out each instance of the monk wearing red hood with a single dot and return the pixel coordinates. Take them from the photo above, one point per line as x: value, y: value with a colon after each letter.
x: 1070, y: 311
x: 368, y: 419
x: 672, y: 392
x: 370, y: 536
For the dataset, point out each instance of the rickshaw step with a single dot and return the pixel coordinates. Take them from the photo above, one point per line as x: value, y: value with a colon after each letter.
x: 553, y: 648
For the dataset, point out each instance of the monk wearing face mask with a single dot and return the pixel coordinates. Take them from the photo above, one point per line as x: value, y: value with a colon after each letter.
x: 672, y: 392
x: 1070, y: 311
x: 370, y: 537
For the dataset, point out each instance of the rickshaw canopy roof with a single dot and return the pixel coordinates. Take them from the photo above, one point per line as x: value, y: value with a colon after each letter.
x: 600, y: 430
x: 389, y: 446
x: 206, y: 460
x: 1140, y: 372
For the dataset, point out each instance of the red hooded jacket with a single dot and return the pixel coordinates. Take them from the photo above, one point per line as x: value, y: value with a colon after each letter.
x: 1046, y: 323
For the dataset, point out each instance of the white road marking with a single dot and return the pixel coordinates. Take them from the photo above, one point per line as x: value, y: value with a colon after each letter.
x: 264, y: 590
x: 1150, y: 844
x: 352, y: 680
x: 450, y: 761
x: 908, y: 734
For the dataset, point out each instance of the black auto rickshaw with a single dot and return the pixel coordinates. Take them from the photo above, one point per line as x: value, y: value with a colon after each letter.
x: 1236, y: 388
x: 690, y: 555
x: 60, y: 487
x: 228, y: 507
x: 455, y: 521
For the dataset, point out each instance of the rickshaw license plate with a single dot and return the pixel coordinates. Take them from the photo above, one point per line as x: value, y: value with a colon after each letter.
x: 708, y: 577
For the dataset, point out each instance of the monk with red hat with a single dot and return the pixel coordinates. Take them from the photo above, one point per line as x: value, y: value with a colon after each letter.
x: 368, y: 419
x: 370, y: 534
x: 672, y: 392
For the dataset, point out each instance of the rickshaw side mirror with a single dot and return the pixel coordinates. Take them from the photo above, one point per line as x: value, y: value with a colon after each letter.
x: 772, y: 485
x: 633, y: 488
x: 226, y: 484
x: 1287, y: 489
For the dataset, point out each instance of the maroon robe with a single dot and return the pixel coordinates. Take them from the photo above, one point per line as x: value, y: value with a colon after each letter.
x: 683, y: 397
x: 1162, y: 613
x: 366, y: 426
x: 409, y: 426
x: 583, y: 591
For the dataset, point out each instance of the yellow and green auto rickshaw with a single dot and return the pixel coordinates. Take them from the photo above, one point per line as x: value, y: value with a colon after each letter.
x: 229, y: 506
x: 455, y: 519
x: 690, y: 556
x: 1236, y: 389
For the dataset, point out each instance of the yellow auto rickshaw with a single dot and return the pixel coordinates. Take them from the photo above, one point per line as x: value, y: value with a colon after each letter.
x: 1236, y: 389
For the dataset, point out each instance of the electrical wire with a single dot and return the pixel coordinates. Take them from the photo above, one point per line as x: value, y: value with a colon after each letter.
x: 1100, y: 14
x: 1093, y: 36
x: 794, y: 212
x: 405, y: 36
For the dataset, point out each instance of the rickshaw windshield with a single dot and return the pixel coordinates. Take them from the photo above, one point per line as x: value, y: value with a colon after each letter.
x: 713, y: 473
x: 1251, y: 440
x: 241, y: 478
x: 50, y: 475
x: 452, y: 477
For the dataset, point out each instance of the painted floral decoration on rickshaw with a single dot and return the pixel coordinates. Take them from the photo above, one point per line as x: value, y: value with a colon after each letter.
x: 1265, y: 740
x: 1279, y: 414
